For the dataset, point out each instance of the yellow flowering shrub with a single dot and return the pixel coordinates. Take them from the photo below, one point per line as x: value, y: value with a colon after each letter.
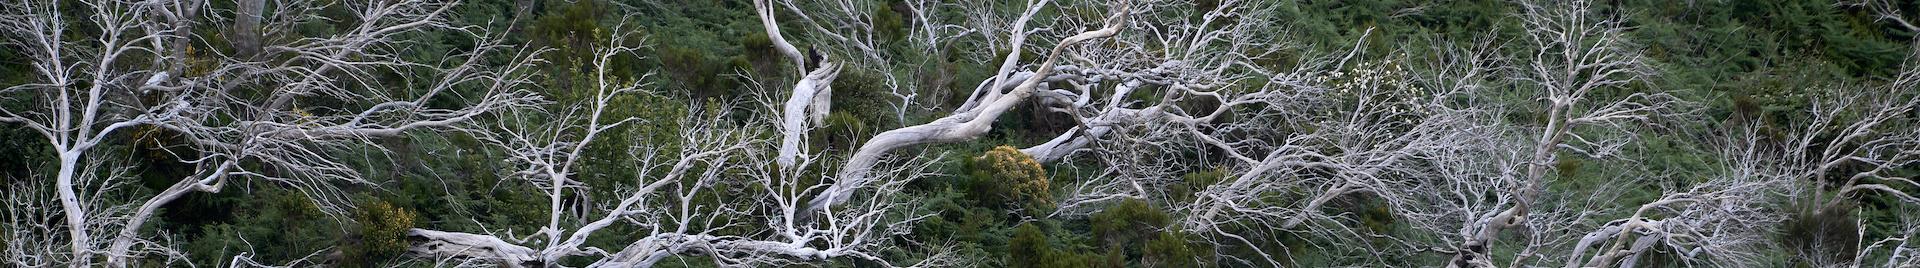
x: 1004, y: 175
x: 383, y: 230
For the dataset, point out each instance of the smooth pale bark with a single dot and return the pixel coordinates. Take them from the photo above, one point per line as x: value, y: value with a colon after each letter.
x: 765, y: 11
x: 455, y: 244
x: 117, y: 254
x: 963, y: 125
x: 1079, y: 137
x: 70, y: 204
x: 653, y: 249
x: 809, y: 99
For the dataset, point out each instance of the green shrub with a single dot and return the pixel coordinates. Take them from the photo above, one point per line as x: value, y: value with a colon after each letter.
x: 758, y: 56
x: 758, y: 44
x: 888, y: 23
x: 858, y: 92
x: 1029, y: 248
x: 1007, y: 178
x: 275, y: 225
x: 1127, y: 223
x: 1819, y: 235
x: 845, y: 130
x: 1172, y: 249
x: 571, y: 30
x: 692, y: 70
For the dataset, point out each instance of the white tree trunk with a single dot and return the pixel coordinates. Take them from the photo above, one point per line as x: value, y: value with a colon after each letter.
x: 70, y: 205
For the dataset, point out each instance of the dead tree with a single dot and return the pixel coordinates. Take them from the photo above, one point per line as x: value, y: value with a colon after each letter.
x: 713, y: 155
x: 1575, y: 53
x: 239, y: 115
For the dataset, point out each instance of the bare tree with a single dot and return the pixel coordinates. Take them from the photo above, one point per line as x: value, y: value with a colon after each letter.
x: 1900, y: 250
x: 1846, y: 150
x: 240, y: 115
x: 1850, y: 147
x: 1577, y: 53
x: 713, y: 155
x: 810, y: 96
x: 1718, y: 221
x: 1212, y: 54
x: 1092, y: 83
x: 1155, y: 90
x: 1727, y: 217
x: 1424, y: 142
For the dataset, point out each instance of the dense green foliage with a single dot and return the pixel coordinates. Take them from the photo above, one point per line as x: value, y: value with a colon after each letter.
x: 1008, y: 179
x: 1748, y: 62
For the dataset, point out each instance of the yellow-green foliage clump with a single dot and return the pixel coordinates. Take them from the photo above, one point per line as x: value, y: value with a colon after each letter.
x: 1004, y: 175
x: 383, y: 230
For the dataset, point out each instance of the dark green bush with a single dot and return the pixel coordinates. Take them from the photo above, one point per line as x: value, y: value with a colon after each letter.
x: 275, y: 225
x: 1814, y: 232
x: 844, y: 130
x: 888, y: 23
x: 861, y: 93
x: 1029, y: 248
x: 1173, y: 249
x: 1126, y: 224
x: 692, y: 70
x: 573, y: 30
